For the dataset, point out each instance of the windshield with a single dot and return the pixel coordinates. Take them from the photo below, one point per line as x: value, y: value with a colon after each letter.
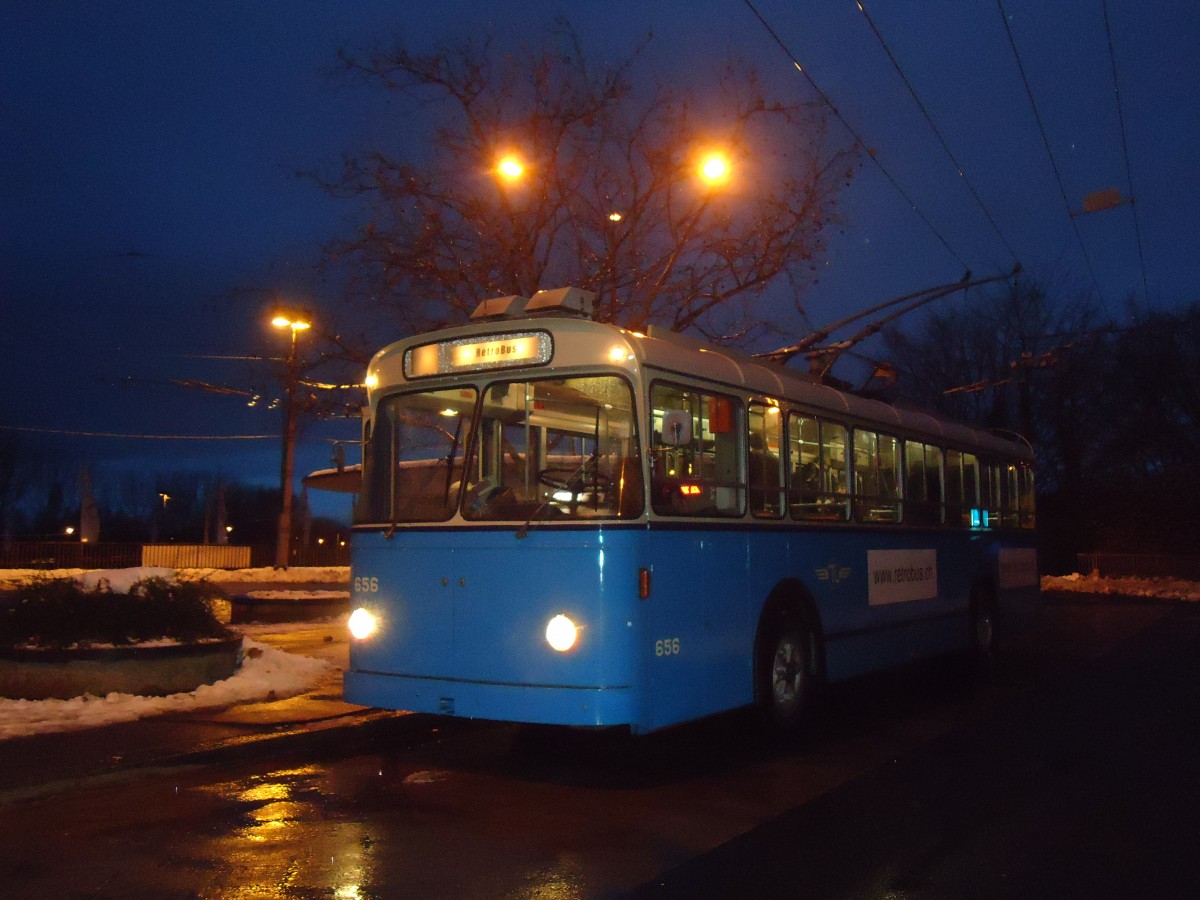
x: 548, y: 449
x: 555, y: 448
x: 413, y: 457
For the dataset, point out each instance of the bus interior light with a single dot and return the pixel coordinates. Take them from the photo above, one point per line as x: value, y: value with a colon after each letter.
x: 362, y: 624
x: 561, y: 633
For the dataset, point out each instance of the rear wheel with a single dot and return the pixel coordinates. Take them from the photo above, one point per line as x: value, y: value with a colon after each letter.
x: 983, y: 628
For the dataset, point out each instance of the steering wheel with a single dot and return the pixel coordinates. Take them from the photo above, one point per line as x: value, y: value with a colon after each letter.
x: 573, y: 480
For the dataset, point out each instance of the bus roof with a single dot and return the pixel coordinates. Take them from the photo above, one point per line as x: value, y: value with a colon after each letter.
x: 581, y: 343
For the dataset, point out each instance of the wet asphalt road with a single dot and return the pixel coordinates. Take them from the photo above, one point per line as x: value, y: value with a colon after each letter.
x: 1081, y: 778
x: 1071, y: 773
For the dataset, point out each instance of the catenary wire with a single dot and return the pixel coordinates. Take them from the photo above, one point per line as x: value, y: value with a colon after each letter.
x: 155, y: 437
x: 1046, y: 142
x: 937, y: 132
x: 1137, y: 230
x: 854, y: 133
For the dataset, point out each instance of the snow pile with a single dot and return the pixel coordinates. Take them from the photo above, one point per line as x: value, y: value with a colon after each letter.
x: 1157, y: 588
x: 14, y: 578
x: 11, y: 579
x: 292, y: 575
x: 298, y: 595
x: 272, y: 674
x: 119, y: 581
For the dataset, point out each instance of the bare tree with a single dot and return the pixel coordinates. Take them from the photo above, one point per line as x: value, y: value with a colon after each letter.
x: 608, y: 195
x: 14, y: 484
x: 979, y: 362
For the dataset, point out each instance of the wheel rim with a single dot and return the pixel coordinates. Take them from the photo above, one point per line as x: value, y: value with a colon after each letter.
x: 983, y: 631
x: 787, y: 675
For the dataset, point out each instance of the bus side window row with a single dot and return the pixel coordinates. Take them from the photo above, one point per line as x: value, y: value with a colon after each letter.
x: 933, y: 487
x: 815, y: 469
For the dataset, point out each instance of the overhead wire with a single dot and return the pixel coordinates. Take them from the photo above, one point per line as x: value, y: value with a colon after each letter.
x: 936, y: 131
x: 156, y: 437
x: 854, y: 133
x: 1046, y: 143
x: 1137, y: 230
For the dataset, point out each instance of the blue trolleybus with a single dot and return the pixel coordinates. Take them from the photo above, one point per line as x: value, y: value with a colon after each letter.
x: 567, y: 522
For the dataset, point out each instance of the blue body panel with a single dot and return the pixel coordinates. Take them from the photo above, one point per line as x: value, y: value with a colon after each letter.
x: 463, y: 630
x: 463, y: 613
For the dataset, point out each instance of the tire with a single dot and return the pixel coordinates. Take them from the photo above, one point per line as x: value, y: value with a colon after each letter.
x: 982, y: 647
x: 787, y: 678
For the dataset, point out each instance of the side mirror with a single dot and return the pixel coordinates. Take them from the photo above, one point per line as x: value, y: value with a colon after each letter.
x: 677, y: 428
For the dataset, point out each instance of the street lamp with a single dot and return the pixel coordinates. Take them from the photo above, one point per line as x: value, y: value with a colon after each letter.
x: 715, y: 168
x: 509, y: 167
x: 295, y: 323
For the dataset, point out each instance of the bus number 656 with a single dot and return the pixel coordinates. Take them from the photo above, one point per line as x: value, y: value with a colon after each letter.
x: 667, y: 647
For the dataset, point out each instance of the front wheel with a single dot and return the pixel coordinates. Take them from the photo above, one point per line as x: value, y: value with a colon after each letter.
x: 787, y: 684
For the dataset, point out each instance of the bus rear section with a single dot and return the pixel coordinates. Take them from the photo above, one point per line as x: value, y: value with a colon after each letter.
x: 539, y: 629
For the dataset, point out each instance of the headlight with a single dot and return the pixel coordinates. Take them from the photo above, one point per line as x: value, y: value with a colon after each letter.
x: 561, y: 633
x: 362, y: 624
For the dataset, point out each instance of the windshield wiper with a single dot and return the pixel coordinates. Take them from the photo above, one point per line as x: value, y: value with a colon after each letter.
x: 450, y: 461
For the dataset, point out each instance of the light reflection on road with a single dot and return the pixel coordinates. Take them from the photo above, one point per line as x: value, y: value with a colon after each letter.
x: 289, y: 839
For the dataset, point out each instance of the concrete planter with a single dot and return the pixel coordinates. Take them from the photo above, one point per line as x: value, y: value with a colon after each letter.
x: 248, y: 608
x: 36, y: 674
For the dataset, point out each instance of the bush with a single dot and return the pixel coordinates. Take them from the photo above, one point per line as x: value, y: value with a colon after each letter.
x: 60, y: 613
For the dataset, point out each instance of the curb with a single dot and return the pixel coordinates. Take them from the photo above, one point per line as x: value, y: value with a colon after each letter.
x: 314, y: 735
x: 315, y: 739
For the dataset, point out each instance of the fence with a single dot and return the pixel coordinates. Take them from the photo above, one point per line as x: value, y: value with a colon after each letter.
x: 196, y: 556
x: 78, y: 555
x: 69, y: 555
x: 1140, y: 565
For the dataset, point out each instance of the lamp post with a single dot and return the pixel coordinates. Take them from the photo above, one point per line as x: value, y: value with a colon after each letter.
x: 295, y: 324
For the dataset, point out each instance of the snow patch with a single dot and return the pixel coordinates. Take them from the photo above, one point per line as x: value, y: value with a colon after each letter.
x: 1158, y: 588
x: 266, y: 673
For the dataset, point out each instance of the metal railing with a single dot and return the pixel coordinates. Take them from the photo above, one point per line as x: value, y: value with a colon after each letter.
x: 1140, y: 565
x: 69, y: 555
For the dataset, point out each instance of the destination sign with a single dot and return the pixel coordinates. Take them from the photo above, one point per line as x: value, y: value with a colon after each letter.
x: 493, y: 351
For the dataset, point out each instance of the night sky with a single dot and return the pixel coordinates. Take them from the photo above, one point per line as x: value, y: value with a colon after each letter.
x: 149, y: 201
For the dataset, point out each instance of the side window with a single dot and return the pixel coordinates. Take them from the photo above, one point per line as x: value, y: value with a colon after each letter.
x: 876, y: 477
x: 1010, y: 494
x: 817, y: 469
x: 696, y: 452
x: 765, y: 462
x: 922, y: 484
x: 954, y: 488
x: 1028, y: 501
x: 972, y: 513
x: 989, y: 495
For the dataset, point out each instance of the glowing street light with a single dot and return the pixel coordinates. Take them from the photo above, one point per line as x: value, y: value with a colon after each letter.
x: 510, y: 167
x: 295, y: 323
x: 715, y: 168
